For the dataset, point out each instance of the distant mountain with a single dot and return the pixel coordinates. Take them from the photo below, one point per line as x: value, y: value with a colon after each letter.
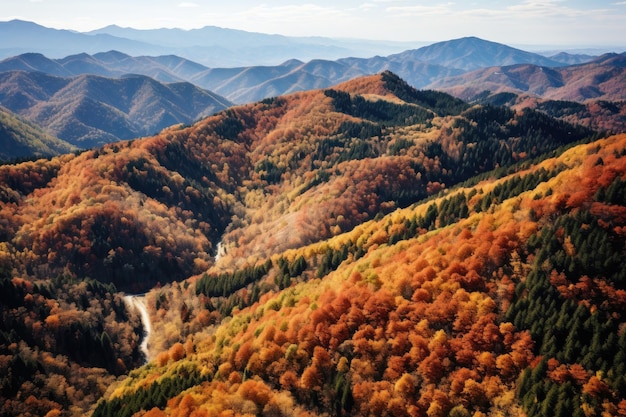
x: 21, y: 139
x: 572, y: 59
x: 222, y: 47
x: 318, y: 74
x: 240, y: 84
x: 211, y: 46
x: 421, y: 68
x: 471, y: 53
x: 165, y: 68
x: 17, y: 37
x: 90, y: 110
x: 206, y: 36
x: 601, y: 79
x: 36, y: 62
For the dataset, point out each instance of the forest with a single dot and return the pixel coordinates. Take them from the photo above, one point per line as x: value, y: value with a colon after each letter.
x: 386, y: 251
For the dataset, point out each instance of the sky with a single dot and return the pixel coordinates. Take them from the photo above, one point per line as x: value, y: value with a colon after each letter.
x: 574, y: 23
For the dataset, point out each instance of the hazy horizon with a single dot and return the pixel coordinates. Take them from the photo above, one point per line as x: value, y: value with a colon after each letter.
x: 549, y: 24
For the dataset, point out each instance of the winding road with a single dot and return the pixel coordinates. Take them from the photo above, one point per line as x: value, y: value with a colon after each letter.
x: 138, y: 302
x: 219, y: 251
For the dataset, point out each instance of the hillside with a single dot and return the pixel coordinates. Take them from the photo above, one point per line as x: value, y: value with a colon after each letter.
x: 599, y: 115
x: 22, y: 139
x: 349, y: 189
x: 90, y: 110
x: 503, y: 298
x: 601, y: 79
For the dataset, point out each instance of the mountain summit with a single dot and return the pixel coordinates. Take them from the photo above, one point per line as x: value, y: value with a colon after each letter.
x: 472, y: 53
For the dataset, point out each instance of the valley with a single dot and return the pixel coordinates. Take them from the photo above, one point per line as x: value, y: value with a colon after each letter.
x: 408, y: 235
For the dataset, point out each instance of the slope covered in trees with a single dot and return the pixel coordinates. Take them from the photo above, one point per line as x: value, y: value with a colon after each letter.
x: 264, y: 177
x: 601, y: 115
x: 307, y: 193
x: 21, y: 139
x: 504, y: 298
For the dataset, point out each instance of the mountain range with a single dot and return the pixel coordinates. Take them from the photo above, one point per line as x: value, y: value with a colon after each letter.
x: 602, y: 78
x: 386, y: 251
x: 88, y: 100
x: 90, y: 110
x: 210, y: 45
x: 449, y: 65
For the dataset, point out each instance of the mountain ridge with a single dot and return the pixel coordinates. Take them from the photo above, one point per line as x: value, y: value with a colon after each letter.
x: 90, y: 110
x: 24, y: 36
x: 470, y: 53
x: 421, y: 67
x: 600, y: 79
x: 592, y: 81
x: 227, y: 52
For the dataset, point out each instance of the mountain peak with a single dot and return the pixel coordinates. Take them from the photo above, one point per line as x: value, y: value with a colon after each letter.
x: 111, y: 56
x: 470, y: 53
x: 366, y: 85
x: 109, y: 27
x: 292, y: 63
x: 614, y: 59
x: 19, y: 22
x: 470, y: 38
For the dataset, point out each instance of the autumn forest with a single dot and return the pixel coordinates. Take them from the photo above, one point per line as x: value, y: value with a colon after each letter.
x: 368, y: 249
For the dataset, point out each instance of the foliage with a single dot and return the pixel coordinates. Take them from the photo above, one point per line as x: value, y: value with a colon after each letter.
x: 572, y: 303
x: 442, y: 308
x: 363, y: 268
x: 21, y: 139
x: 379, y: 111
x: 65, y: 339
x: 156, y: 395
x: 226, y: 283
x: 440, y: 103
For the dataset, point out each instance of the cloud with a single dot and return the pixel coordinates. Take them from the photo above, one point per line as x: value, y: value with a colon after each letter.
x: 294, y: 11
x: 188, y: 5
x: 368, y: 6
x: 554, y: 8
x: 265, y: 17
x: 420, y: 10
x: 521, y: 9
